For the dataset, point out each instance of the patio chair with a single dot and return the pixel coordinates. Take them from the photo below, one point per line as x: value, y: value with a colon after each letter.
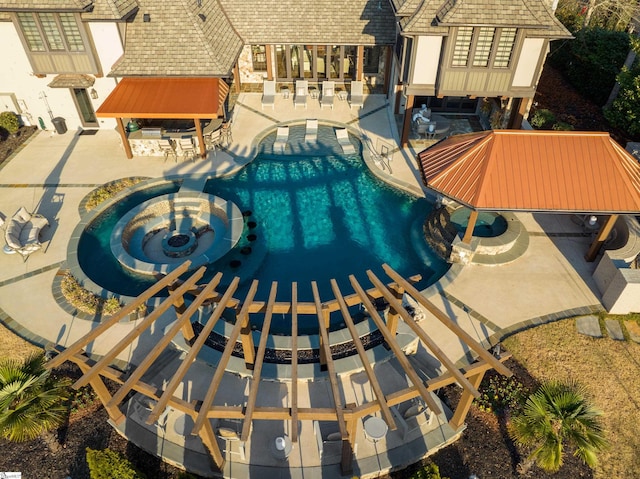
x: 302, y: 91
x: 269, y: 94
x: 410, y: 416
x: 229, y: 431
x: 187, y: 148
x: 311, y: 131
x: 282, y: 136
x: 328, y: 90
x: 357, y: 96
x: 328, y: 439
x: 22, y: 233
x: 345, y: 143
x: 214, y: 140
x: 168, y: 148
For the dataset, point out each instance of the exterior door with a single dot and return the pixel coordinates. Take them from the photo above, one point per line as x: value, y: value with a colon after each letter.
x: 85, y: 107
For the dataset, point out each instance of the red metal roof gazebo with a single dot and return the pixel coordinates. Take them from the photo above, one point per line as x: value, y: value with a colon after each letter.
x: 535, y: 171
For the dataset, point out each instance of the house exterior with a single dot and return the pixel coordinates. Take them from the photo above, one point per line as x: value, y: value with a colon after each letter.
x: 64, y: 57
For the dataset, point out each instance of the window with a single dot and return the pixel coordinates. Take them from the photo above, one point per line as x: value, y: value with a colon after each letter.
x: 31, y: 32
x: 259, y: 58
x: 371, y: 63
x: 51, y: 32
x: 505, y: 48
x: 462, y: 47
x: 483, y: 47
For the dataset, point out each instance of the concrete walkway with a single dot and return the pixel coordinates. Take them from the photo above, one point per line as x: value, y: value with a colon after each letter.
x: 53, y: 173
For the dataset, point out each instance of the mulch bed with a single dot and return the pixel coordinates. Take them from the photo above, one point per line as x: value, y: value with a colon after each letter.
x: 11, y: 143
x: 485, y: 448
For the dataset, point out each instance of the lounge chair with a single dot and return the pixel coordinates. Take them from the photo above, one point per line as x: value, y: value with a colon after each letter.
x: 187, y: 148
x: 22, y: 232
x: 345, y: 143
x: 357, y: 97
x: 282, y: 136
x: 269, y: 94
x: 302, y: 91
x: 311, y: 131
x: 328, y: 91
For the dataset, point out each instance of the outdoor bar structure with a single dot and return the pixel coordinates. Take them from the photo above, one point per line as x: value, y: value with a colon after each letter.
x: 186, y: 298
x: 165, y: 98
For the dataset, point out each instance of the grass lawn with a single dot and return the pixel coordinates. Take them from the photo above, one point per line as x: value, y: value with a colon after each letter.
x: 611, y: 372
x: 13, y: 346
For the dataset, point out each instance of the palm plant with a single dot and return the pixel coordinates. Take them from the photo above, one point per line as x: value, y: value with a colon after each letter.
x: 558, y: 414
x: 31, y: 399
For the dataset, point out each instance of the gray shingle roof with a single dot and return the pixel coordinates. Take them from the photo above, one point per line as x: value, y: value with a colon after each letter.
x: 33, y: 5
x: 434, y: 17
x: 177, y: 42
x: 319, y: 21
x: 111, y: 9
x: 405, y: 7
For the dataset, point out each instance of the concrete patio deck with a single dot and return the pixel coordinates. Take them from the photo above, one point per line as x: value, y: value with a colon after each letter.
x: 53, y: 173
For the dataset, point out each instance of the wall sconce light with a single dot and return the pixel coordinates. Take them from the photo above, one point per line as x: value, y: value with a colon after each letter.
x: 202, y: 16
x: 146, y: 18
x: 94, y: 94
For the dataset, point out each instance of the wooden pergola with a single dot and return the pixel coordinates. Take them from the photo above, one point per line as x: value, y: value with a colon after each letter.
x: 347, y: 416
x: 535, y: 171
x: 165, y: 98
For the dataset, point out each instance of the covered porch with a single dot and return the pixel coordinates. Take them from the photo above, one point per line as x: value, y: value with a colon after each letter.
x: 166, y: 105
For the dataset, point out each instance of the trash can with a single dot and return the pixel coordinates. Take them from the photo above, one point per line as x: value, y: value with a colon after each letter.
x: 60, y: 124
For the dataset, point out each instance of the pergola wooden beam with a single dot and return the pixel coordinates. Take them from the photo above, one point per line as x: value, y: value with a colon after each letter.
x: 393, y: 344
x: 242, y: 319
x: 191, y: 356
x: 427, y: 341
x: 347, y: 449
x: 257, y: 370
x: 294, y: 362
x: 471, y: 224
x: 375, y: 384
x: 123, y: 313
x: 138, y: 330
x: 163, y: 342
x: 446, y: 320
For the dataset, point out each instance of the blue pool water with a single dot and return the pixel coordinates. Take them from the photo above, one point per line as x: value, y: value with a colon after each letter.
x: 487, y: 225
x: 313, y: 219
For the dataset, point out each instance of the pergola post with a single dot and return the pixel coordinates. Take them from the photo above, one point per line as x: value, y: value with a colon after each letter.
x: 464, y: 404
x: 103, y: 394
x: 125, y: 139
x: 208, y: 438
x: 346, y: 462
x: 180, y: 307
x: 602, y: 236
x: 471, y: 224
x: 201, y: 145
x: 406, y: 124
x: 236, y: 77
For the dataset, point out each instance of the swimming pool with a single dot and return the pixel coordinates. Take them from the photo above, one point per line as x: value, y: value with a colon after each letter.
x: 307, y: 218
x: 488, y: 224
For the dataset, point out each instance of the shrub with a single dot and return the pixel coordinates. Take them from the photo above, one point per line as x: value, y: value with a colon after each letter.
x: 108, y: 464
x: 624, y: 113
x: 592, y: 60
x: 428, y: 471
x: 9, y: 121
x: 542, y: 118
x: 108, y: 191
x: 501, y: 393
x: 563, y: 126
x: 85, y: 300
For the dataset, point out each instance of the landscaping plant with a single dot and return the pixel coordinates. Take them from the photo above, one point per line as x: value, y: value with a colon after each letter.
x: 9, y: 121
x: 108, y: 464
x: 32, y: 400
x: 558, y: 415
x: 501, y: 393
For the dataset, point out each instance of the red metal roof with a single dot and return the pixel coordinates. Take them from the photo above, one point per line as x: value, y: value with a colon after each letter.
x: 165, y: 98
x: 534, y: 171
